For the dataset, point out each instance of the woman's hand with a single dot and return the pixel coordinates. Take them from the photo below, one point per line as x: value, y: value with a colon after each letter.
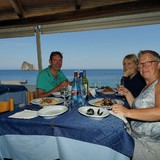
x: 126, y: 73
x: 119, y: 109
x: 129, y: 72
x: 123, y: 91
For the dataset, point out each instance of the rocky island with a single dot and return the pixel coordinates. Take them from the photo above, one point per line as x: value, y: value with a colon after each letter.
x: 27, y: 66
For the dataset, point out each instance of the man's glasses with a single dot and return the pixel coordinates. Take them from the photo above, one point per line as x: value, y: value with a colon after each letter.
x: 146, y: 64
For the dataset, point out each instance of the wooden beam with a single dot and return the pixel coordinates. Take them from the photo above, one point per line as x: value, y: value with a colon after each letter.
x: 78, y: 4
x: 38, y: 42
x: 18, y: 8
x: 131, y: 8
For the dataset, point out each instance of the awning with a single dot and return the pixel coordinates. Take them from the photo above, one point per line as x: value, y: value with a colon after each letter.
x: 83, y: 25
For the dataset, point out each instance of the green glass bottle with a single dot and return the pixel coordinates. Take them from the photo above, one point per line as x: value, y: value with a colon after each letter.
x: 85, y: 81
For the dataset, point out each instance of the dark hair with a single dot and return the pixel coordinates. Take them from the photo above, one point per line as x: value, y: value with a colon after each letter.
x: 55, y: 53
x: 155, y: 54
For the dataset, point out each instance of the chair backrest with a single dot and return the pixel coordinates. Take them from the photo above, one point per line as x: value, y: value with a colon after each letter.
x: 30, y: 96
x: 7, y: 106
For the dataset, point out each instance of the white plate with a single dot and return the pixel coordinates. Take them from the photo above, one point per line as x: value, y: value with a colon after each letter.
x: 83, y: 111
x: 57, y: 94
x: 99, y: 90
x: 38, y: 101
x: 119, y: 101
x: 52, y: 111
x: 91, y: 102
x: 106, y: 93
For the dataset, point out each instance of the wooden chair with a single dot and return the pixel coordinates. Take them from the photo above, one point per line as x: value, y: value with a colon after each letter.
x: 30, y: 96
x: 7, y: 106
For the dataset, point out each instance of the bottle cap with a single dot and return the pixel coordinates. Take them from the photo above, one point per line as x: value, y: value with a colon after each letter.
x: 81, y: 74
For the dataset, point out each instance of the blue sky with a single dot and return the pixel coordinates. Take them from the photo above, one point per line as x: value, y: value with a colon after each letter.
x: 98, y: 49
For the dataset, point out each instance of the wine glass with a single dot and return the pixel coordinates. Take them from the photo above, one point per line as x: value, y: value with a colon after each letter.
x: 83, y: 96
x: 64, y: 94
x: 95, y: 84
x: 120, y: 84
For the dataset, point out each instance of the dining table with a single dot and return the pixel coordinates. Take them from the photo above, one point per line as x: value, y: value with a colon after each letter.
x: 68, y: 136
x: 17, y: 92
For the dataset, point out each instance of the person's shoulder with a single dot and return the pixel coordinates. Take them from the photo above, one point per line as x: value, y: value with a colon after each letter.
x: 44, y: 71
x: 139, y: 75
x: 60, y: 72
x: 158, y: 82
x: 157, y: 86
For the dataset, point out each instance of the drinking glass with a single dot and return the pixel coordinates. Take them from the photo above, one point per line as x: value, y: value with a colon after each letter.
x: 64, y: 94
x: 95, y: 84
x: 120, y: 83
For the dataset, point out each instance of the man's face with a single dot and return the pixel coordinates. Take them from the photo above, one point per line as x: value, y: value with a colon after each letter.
x: 56, y: 62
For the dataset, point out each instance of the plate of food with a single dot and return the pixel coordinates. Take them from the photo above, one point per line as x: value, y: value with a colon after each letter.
x: 47, y: 101
x: 104, y: 102
x: 106, y: 90
x: 52, y: 111
x: 93, y: 112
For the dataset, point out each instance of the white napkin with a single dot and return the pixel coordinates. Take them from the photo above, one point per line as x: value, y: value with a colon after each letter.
x: 119, y: 116
x: 92, y: 91
x: 127, y: 125
x: 26, y: 114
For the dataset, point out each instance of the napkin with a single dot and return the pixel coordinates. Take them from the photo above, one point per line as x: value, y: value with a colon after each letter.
x: 127, y: 125
x: 92, y: 91
x: 25, y: 114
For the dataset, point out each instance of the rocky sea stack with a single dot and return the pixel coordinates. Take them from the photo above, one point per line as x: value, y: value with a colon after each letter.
x: 27, y: 66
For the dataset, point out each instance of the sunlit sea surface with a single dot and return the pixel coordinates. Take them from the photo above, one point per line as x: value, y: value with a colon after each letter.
x: 102, y: 77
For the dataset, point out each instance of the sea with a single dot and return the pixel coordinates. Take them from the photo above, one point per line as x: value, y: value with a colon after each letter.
x: 96, y: 77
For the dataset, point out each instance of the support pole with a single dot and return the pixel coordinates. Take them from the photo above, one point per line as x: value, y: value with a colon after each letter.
x: 38, y: 42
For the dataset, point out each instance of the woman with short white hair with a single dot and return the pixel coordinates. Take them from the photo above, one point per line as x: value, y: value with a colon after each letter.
x: 145, y: 109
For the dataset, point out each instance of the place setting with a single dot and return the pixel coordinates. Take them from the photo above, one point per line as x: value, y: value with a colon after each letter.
x: 50, y: 108
x: 93, y: 112
x: 104, y: 102
x: 106, y: 90
x: 52, y: 111
x: 47, y: 101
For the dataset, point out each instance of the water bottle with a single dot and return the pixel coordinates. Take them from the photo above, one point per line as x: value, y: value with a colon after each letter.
x: 82, y: 91
x: 79, y: 98
x: 74, y: 93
